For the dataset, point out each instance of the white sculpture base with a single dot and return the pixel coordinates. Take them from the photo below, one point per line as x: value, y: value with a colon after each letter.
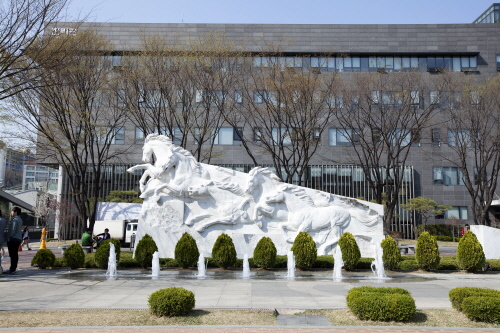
x: 182, y: 195
x: 488, y: 237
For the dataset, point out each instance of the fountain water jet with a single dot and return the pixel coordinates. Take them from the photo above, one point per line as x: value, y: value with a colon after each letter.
x: 111, y: 272
x: 337, y: 263
x: 202, y: 268
x: 155, y: 265
x: 290, y: 265
x: 246, y: 267
x: 378, y: 264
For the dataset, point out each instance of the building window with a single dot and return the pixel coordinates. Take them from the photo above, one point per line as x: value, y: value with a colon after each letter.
x: 228, y: 136
x: 139, y: 136
x: 456, y: 212
x: 400, y: 137
x: 448, y: 176
x: 238, y: 97
x: 258, y: 96
x: 281, y: 135
x: 342, y: 137
x: 257, y: 135
x: 117, y: 135
x: 461, y: 137
x: 436, y: 137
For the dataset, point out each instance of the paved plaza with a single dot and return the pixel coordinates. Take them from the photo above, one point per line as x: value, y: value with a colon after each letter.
x: 90, y: 289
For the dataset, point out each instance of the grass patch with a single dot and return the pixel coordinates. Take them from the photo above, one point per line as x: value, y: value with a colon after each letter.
x: 132, y: 318
x: 423, y: 317
x: 337, y: 317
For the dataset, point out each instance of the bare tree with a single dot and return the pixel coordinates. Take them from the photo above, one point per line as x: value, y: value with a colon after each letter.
x: 474, y: 137
x: 166, y: 92
x: 76, y: 116
x: 283, y: 113
x: 380, y: 119
x: 22, y: 22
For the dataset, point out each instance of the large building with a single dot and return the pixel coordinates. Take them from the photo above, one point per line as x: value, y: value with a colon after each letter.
x: 470, y: 48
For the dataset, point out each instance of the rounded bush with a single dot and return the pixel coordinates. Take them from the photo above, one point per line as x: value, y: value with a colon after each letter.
x: 427, y: 255
x: 74, y: 256
x: 482, y: 308
x: 350, y: 251
x: 102, y: 254
x: 470, y: 254
x: 264, y: 255
x: 458, y: 295
x: 224, y: 252
x: 391, y: 256
x: 381, y: 304
x: 144, y: 251
x: 186, y: 251
x: 304, y: 250
x: 43, y: 258
x: 408, y: 264
x: 171, y: 302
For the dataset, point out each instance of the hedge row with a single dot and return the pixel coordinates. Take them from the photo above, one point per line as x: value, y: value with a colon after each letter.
x: 381, y: 304
x: 478, y: 304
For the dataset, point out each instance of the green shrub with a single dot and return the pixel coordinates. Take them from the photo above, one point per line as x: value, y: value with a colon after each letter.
x: 60, y: 262
x: 444, y: 238
x: 223, y: 252
x: 494, y: 264
x: 304, y: 250
x: 448, y: 263
x: 457, y: 295
x: 350, y: 251
x: 437, y: 229
x: 264, y: 254
x: 427, y: 252
x: 126, y: 261
x: 381, y: 304
x: 90, y: 260
x: 365, y: 263
x: 281, y: 261
x: 391, y: 256
x: 74, y: 256
x: 239, y: 263
x: 186, y: 251
x: 325, y: 261
x: 171, y: 302
x: 470, y: 255
x: 144, y: 251
x: 43, y: 258
x: 482, y: 308
x: 102, y: 254
x: 408, y: 264
x: 168, y: 262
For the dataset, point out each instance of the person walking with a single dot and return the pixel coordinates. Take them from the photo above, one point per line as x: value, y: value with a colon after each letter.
x: 26, y: 237
x: 14, y: 239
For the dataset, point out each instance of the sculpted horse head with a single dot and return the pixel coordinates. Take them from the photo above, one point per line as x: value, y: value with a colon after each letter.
x: 161, y: 147
x: 257, y: 176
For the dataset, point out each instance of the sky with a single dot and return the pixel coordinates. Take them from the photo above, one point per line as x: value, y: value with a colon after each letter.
x: 280, y: 11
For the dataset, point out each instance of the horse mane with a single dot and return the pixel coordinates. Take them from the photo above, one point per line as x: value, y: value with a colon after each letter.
x: 158, y: 137
x: 190, y: 159
x: 298, y: 192
x: 231, y: 187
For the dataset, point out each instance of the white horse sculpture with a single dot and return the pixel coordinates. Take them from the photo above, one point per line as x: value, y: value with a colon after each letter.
x: 230, y: 201
x: 174, y: 168
x: 303, y: 215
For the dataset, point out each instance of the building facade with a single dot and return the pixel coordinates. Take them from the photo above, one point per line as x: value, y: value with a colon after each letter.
x: 472, y: 49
